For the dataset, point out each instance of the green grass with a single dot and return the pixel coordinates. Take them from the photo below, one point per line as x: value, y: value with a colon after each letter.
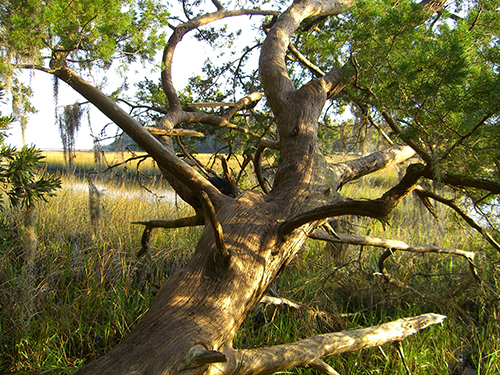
x: 89, y: 293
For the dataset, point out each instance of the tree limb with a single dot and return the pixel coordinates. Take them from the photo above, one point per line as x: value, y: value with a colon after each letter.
x: 162, y: 155
x: 208, y: 119
x: 312, y: 68
x: 191, y: 221
x: 257, y: 161
x: 469, y: 134
x: 208, y: 172
x: 151, y: 224
x: 217, y: 228
x: 379, y: 208
x: 462, y: 214
x: 273, y: 72
x: 248, y: 101
x: 176, y: 37
x: 391, y: 246
x: 388, y: 244
x: 354, y: 169
x: 383, y: 270
x: 174, y: 132
x: 454, y: 180
x: 307, y: 352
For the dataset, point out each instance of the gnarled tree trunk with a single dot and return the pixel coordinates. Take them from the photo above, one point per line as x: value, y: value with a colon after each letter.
x: 248, y: 240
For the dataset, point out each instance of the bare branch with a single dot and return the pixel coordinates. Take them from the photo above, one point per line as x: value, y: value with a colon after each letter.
x: 162, y: 155
x: 388, y: 244
x: 462, y: 214
x: 383, y: 270
x: 208, y: 119
x: 354, y: 169
x: 219, y: 6
x: 217, y: 228
x: 397, y: 129
x: 307, y: 352
x: 257, y: 164
x: 248, y: 101
x: 392, y: 246
x: 364, y: 109
x: 376, y: 208
x: 174, y: 132
x: 191, y: 221
x: 323, y: 367
x: 208, y: 172
x: 151, y: 224
x: 312, y: 68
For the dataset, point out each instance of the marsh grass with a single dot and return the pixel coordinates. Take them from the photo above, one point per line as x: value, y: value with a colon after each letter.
x: 89, y: 292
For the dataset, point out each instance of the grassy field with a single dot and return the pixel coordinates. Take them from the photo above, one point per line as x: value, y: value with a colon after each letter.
x: 89, y: 290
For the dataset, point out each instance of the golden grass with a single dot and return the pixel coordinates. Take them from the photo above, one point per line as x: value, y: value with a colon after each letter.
x: 80, y: 316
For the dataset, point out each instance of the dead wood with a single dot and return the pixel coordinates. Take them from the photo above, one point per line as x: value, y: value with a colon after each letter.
x: 307, y: 352
x: 389, y: 244
x: 392, y: 246
x: 174, y: 132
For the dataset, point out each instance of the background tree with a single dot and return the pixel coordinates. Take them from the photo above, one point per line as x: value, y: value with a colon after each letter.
x: 24, y: 183
x: 426, y: 73
x: 69, y: 124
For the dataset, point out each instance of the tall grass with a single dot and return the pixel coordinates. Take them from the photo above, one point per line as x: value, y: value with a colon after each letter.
x: 89, y: 292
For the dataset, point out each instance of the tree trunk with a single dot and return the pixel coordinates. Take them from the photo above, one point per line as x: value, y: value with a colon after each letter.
x: 197, y: 312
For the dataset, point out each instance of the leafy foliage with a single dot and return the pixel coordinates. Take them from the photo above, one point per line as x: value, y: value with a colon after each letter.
x: 438, y: 78
x: 89, y: 32
x: 19, y: 177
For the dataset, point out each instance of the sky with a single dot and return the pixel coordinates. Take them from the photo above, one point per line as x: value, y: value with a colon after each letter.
x: 43, y: 132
